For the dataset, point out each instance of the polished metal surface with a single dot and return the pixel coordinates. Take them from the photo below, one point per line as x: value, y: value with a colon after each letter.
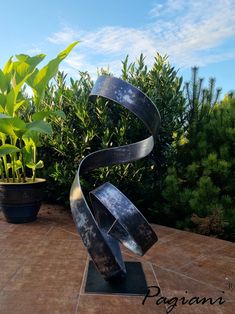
x: 114, y: 218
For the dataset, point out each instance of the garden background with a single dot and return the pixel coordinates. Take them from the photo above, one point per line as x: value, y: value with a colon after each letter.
x: 187, y: 182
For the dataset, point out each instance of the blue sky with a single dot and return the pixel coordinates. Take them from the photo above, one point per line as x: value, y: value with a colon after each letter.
x: 199, y: 32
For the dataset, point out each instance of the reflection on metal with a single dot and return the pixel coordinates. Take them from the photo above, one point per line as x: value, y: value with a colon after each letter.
x: 114, y: 218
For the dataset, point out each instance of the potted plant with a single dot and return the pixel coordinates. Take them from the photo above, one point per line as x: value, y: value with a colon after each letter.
x: 21, y: 125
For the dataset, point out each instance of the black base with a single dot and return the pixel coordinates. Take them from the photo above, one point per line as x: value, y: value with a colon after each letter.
x: 133, y: 284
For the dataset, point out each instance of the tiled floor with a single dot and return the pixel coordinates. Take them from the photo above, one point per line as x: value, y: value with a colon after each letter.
x: 43, y: 270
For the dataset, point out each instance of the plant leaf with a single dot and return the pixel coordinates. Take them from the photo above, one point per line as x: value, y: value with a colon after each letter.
x: 26, y: 65
x: 45, y: 114
x: 34, y: 166
x: 10, y: 102
x: 31, y: 165
x: 3, y: 82
x: 8, y: 149
x: 6, y: 127
x: 40, y: 127
x: 28, y: 149
x: 8, y: 66
x: 11, y: 125
x: 39, y: 164
x: 2, y: 101
x: 19, y: 104
x: 18, y: 164
x: 41, y: 78
x: 33, y: 61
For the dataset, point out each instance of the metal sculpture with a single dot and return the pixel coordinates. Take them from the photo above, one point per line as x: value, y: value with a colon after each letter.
x: 114, y: 218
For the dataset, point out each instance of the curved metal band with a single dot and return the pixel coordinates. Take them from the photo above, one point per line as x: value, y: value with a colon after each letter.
x: 115, y: 218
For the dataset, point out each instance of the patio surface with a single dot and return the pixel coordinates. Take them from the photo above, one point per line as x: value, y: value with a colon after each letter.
x: 43, y: 270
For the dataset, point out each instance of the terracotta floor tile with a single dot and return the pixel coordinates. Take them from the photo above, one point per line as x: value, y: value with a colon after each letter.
x: 4, y: 226
x: 56, y: 249
x: 3, y: 236
x: 51, y: 302
x: 29, y: 234
x: 176, y: 284
x: 42, y: 270
x: 56, y: 214
x: 226, y: 308
x: 103, y: 304
x: 38, y: 226
x: 173, y: 284
x: 8, y: 269
x: 70, y: 227
x: 48, y: 275
x: 171, y: 256
x: 227, y: 250
x: 215, y: 270
x: 62, y: 234
x: 164, y: 232
x: 21, y: 248
x: 180, y: 249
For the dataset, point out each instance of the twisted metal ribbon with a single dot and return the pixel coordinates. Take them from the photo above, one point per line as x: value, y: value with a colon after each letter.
x: 114, y: 217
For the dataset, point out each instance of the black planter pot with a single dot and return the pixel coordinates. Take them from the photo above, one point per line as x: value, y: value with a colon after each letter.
x: 20, y: 202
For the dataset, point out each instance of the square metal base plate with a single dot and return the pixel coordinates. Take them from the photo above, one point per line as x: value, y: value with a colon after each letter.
x: 133, y: 284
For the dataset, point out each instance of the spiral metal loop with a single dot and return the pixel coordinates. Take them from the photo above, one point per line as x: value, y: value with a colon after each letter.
x: 114, y: 218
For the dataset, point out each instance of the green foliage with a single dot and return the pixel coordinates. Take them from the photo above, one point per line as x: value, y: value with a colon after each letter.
x: 89, y: 127
x: 19, y: 132
x: 187, y: 181
x: 201, y: 180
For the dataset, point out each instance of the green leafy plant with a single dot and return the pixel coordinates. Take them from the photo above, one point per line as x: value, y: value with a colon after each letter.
x: 187, y: 181
x: 19, y: 132
x: 199, y: 188
x: 89, y: 127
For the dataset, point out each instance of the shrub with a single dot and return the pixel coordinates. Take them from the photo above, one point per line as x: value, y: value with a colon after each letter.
x: 199, y: 188
x: 90, y: 127
x: 187, y: 181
